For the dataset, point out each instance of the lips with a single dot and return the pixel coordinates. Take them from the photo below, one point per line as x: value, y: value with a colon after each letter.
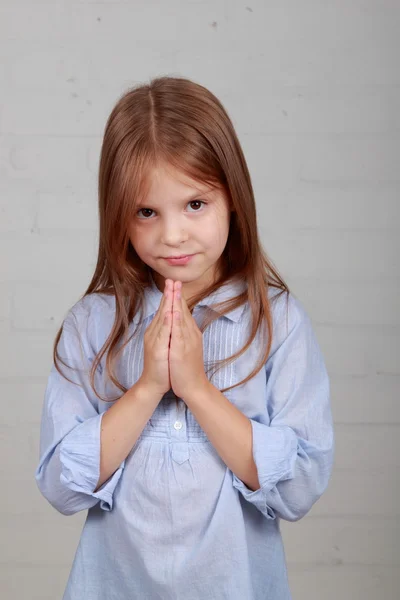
x: 181, y: 256
x: 181, y: 260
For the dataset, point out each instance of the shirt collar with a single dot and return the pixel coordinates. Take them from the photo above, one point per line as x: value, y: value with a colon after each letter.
x: 228, y: 290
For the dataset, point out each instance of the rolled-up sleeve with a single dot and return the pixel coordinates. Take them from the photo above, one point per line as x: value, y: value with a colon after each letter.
x: 293, y: 441
x: 69, y: 462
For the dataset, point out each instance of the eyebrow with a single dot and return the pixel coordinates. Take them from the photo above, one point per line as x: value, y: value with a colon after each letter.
x: 185, y: 201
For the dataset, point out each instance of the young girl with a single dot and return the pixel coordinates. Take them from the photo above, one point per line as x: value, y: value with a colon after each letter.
x: 186, y: 472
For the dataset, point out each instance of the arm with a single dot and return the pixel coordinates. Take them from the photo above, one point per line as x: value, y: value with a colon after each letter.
x: 75, y: 472
x: 292, y: 441
x: 122, y: 424
x: 228, y: 429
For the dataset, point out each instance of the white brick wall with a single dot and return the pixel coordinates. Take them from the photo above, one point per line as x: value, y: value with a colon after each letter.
x: 314, y: 90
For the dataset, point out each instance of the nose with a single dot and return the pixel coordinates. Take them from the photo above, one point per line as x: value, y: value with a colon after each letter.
x: 173, y: 233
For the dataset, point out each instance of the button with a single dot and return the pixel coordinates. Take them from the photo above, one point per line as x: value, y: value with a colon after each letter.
x: 178, y: 425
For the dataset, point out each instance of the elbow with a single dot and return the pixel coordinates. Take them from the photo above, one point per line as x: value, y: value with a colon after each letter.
x: 62, y: 508
x: 302, y: 492
x: 307, y: 506
x: 56, y: 498
x: 64, y: 500
x: 292, y: 512
x: 298, y: 505
x: 68, y: 503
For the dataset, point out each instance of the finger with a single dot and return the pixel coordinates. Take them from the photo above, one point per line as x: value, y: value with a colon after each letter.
x: 177, y: 333
x: 159, y: 311
x: 166, y: 326
x: 167, y: 310
x: 176, y: 305
x: 166, y: 301
x: 189, y: 324
x: 182, y: 307
x: 164, y: 322
x: 160, y: 314
x: 179, y: 327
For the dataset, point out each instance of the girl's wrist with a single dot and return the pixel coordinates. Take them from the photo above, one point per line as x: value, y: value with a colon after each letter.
x: 148, y: 389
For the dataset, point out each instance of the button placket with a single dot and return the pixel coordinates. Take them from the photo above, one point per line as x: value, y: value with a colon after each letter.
x: 179, y: 444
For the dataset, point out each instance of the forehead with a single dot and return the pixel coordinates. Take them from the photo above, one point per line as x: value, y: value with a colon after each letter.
x: 167, y: 184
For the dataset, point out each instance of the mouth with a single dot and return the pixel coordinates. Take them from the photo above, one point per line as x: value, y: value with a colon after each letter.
x: 180, y: 256
x: 179, y: 260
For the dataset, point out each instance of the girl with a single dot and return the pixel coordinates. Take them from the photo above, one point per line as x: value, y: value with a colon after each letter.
x: 186, y: 473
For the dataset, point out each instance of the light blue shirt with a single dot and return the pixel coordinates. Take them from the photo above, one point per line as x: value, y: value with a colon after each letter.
x: 173, y: 522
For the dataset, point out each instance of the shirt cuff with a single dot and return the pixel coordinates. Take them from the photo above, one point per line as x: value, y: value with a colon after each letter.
x: 80, y: 462
x: 274, y: 454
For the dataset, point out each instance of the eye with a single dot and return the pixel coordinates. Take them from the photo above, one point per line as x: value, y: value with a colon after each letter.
x: 146, y: 217
x: 142, y: 209
x: 197, y: 202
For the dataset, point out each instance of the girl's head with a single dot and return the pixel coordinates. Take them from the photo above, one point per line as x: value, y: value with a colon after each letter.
x: 181, y: 216
x: 163, y: 142
x: 173, y: 180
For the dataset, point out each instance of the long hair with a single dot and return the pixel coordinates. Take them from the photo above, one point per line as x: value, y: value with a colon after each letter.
x: 174, y: 121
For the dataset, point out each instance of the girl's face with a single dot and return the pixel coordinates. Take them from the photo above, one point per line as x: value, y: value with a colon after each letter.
x: 181, y: 217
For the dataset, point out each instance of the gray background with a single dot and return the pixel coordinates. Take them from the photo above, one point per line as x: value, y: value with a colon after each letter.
x: 313, y: 89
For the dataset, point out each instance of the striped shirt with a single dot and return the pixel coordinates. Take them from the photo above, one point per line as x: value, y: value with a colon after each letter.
x: 173, y: 521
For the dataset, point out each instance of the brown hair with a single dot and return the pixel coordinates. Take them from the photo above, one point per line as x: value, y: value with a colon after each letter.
x: 172, y: 120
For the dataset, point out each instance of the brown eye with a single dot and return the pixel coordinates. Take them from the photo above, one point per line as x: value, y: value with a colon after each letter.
x: 144, y: 212
x: 200, y: 202
x: 144, y: 209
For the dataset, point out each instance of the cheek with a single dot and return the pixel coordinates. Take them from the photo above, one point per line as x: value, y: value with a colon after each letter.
x: 219, y: 229
x: 138, y: 237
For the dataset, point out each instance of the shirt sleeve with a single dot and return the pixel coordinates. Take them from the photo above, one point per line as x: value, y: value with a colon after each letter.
x: 69, y: 462
x: 293, y: 441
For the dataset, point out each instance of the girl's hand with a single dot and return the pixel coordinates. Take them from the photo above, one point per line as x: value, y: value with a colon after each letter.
x: 186, y: 362
x: 156, y: 345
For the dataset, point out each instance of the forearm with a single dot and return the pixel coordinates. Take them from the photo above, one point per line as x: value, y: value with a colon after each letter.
x: 122, y: 424
x: 228, y: 429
